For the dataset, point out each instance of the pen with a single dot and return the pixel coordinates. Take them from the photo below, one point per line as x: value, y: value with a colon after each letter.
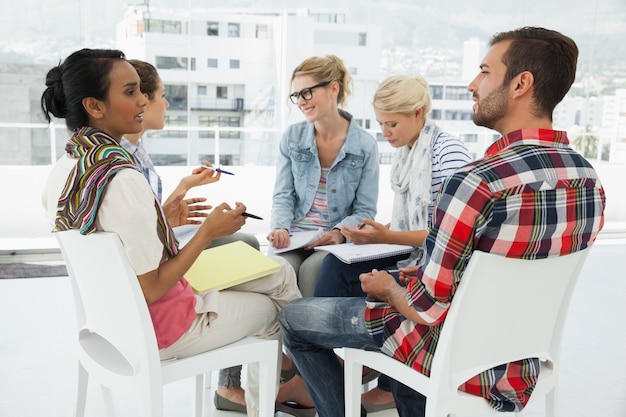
x: 217, y: 170
x: 361, y: 226
x: 393, y: 271
x: 252, y: 216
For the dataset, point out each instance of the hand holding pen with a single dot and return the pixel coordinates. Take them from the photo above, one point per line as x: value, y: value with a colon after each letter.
x: 218, y: 169
x: 367, y: 231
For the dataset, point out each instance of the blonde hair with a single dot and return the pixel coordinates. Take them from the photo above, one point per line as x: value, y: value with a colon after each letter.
x: 402, y: 94
x: 327, y: 68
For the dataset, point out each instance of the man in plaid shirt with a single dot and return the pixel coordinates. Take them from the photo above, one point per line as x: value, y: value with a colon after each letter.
x: 532, y: 196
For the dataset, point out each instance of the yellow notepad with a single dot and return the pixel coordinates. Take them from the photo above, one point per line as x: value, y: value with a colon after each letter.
x: 229, y: 265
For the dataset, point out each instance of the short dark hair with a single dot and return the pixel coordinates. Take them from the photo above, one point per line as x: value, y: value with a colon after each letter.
x: 85, y: 73
x: 549, y: 55
x: 148, y: 75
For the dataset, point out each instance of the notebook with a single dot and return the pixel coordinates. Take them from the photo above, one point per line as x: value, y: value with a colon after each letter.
x: 229, y: 265
x: 350, y: 253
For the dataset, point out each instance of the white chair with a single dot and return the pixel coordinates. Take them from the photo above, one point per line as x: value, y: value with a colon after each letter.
x: 504, y: 310
x: 116, y: 342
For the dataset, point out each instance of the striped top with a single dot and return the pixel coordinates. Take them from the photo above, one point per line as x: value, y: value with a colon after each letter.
x: 318, y: 214
x: 531, y: 196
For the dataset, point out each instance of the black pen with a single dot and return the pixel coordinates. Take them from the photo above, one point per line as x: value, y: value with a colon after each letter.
x: 361, y: 226
x: 217, y: 170
x: 252, y: 216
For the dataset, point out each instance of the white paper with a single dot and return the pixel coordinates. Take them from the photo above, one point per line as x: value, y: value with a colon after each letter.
x: 184, y: 233
x: 298, y: 240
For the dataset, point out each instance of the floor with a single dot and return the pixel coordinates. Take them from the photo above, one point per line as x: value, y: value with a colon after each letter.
x: 38, y: 367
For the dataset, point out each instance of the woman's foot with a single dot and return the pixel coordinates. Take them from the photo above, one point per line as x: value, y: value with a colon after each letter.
x: 377, y: 396
x: 234, y: 395
x: 295, y: 391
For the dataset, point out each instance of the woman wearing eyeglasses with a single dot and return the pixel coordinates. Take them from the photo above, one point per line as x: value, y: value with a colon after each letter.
x: 327, y: 169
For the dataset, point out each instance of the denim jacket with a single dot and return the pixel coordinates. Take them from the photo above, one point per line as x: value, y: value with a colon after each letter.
x: 352, y: 187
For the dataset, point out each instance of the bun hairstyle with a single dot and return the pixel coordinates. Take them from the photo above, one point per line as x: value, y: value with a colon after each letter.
x: 327, y: 68
x: 85, y: 73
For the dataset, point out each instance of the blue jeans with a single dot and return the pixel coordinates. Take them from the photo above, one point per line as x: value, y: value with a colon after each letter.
x: 312, y: 328
x: 339, y: 279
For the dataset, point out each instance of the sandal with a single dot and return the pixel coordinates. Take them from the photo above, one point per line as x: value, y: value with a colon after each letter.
x: 296, y: 410
x: 287, y: 374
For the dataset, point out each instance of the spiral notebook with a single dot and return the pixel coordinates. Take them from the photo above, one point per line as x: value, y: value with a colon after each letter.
x: 228, y: 265
x: 350, y: 253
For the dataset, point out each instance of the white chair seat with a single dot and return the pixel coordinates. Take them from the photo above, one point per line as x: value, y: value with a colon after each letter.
x: 117, y: 345
x: 504, y: 310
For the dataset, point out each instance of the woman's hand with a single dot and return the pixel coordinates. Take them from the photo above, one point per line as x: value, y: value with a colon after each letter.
x: 366, y: 232
x: 200, y: 176
x: 190, y: 211
x: 334, y: 237
x: 279, y: 238
x: 223, y: 221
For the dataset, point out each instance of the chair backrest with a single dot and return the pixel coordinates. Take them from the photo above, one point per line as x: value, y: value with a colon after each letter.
x: 505, y: 310
x: 117, y: 333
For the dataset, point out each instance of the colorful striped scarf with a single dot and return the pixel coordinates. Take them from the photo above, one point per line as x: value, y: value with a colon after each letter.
x: 100, y: 157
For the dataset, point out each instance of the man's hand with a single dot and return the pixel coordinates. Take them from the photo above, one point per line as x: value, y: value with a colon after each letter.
x: 380, y: 285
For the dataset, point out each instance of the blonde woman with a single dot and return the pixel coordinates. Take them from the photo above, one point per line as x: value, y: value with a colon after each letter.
x: 425, y: 156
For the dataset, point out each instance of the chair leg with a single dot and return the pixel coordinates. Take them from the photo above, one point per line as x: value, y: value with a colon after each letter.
x: 199, y: 395
x: 109, y: 410
x: 152, y: 400
x: 81, y: 392
x: 353, y: 372
x: 551, y: 405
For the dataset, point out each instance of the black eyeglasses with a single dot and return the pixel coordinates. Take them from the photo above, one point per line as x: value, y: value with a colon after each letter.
x: 306, y: 93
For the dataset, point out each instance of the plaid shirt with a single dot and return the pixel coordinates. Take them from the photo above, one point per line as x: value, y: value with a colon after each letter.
x: 530, y: 197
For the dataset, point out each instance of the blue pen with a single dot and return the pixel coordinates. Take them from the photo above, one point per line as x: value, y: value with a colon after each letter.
x: 217, y: 170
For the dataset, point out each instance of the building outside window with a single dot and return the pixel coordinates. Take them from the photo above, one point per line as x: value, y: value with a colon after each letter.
x: 211, y: 63
x: 213, y: 28
x: 164, y: 26
x: 202, y: 90
x: 458, y: 93
x: 262, y: 31
x: 234, y: 64
x: 436, y: 92
x: 221, y: 122
x: 233, y: 30
x: 171, y: 62
x: 170, y: 131
x: 221, y: 92
x: 362, y: 39
x: 176, y: 95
